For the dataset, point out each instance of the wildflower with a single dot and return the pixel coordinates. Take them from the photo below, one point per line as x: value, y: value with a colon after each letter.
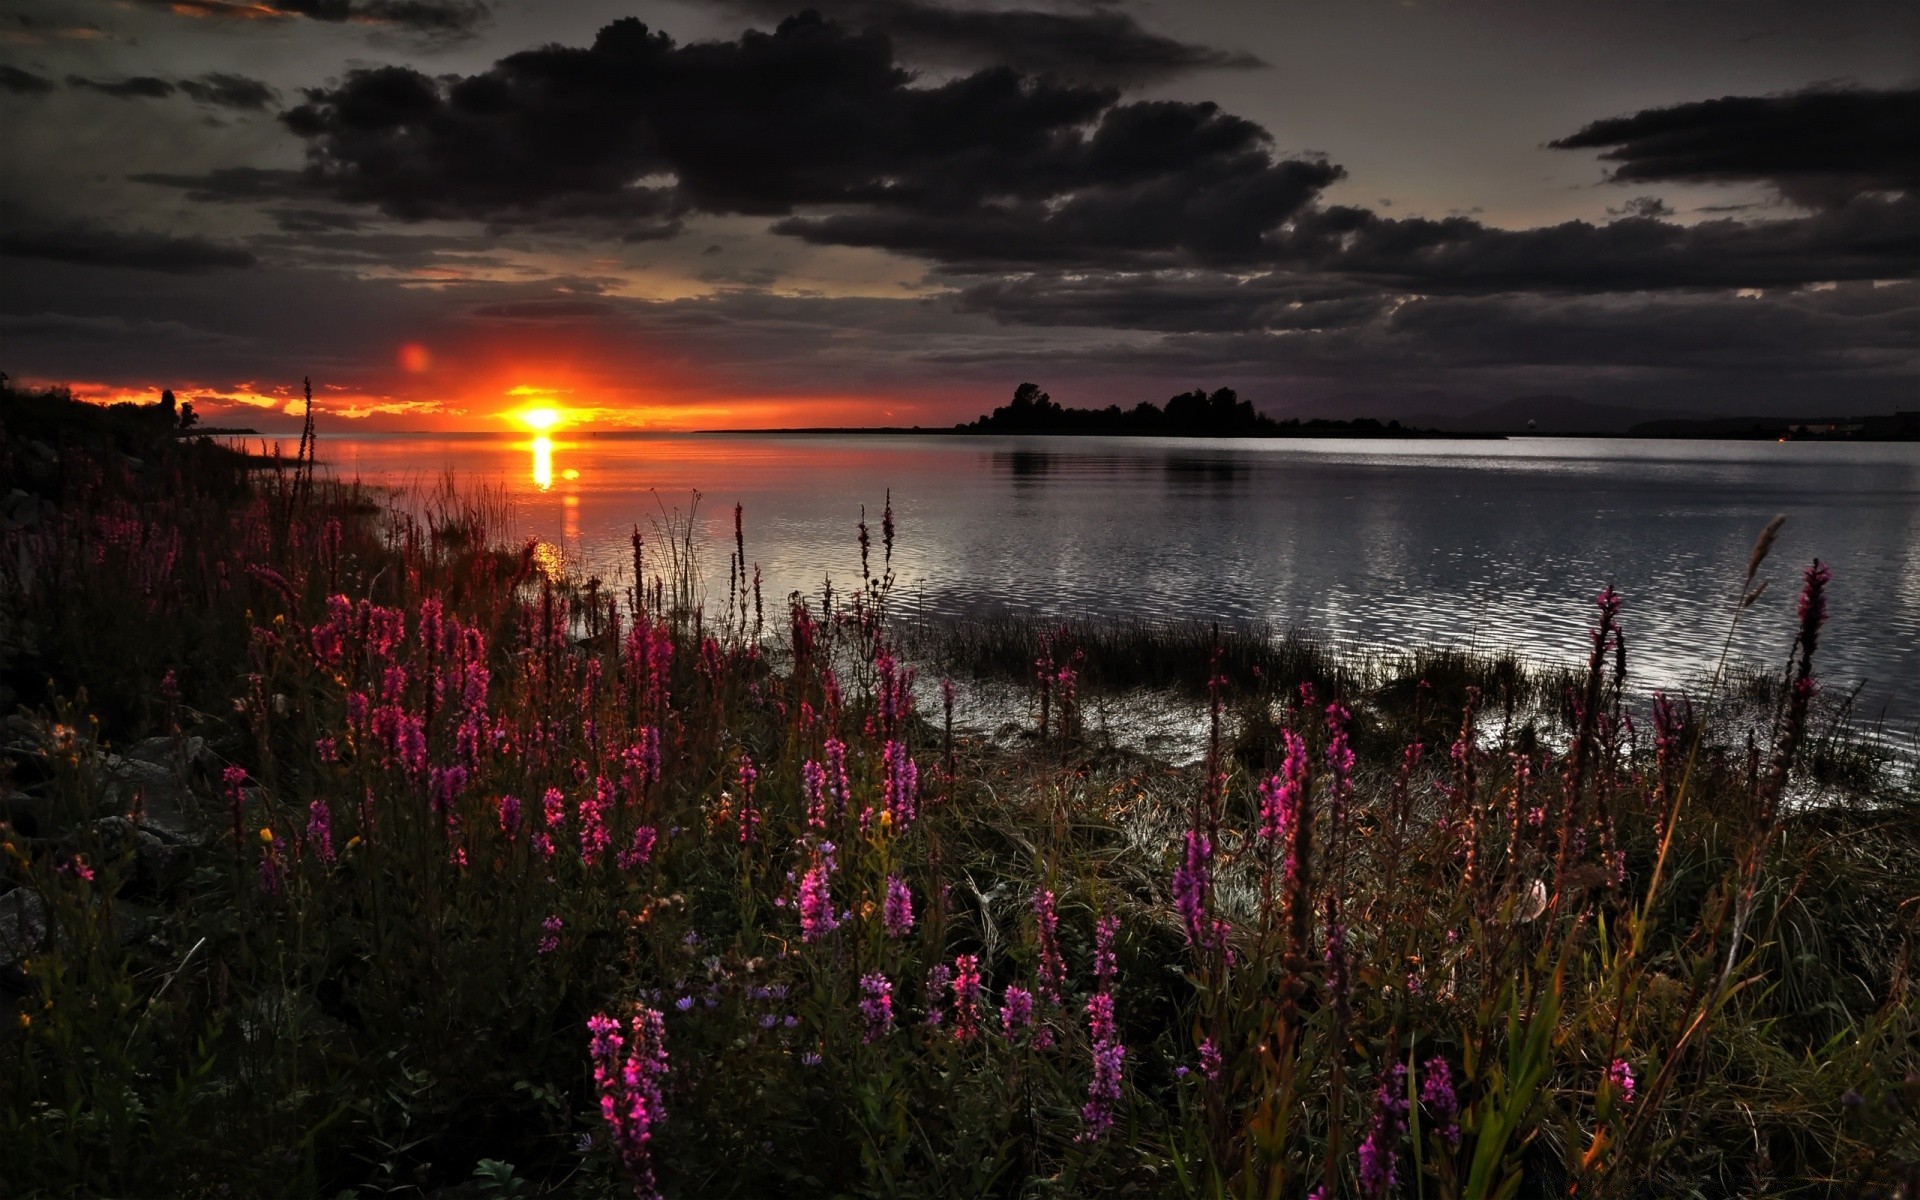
x: 1105, y: 968
x: 938, y: 977
x: 508, y: 809
x: 900, y: 785
x: 1443, y: 1105
x: 1280, y: 794
x: 1109, y: 1057
x: 1380, y: 1150
x: 814, y: 778
x: 1620, y: 1075
x: 639, y: 851
x: 897, y: 914
x: 966, y: 996
x: 876, y: 1005
x: 594, y: 838
x: 1052, y: 970
x: 1016, y: 1010
x: 1193, y: 893
x: 320, y: 831
x: 80, y: 869
x: 630, y: 1096
x: 1210, y: 1060
x: 550, y: 941
x: 816, y: 899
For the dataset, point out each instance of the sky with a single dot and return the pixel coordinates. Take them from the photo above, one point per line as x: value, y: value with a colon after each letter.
x: 672, y: 214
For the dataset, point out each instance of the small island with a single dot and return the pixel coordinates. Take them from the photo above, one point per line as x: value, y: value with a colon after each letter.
x: 1197, y: 413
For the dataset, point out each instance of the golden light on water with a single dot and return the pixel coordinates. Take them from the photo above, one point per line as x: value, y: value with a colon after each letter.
x: 543, y: 462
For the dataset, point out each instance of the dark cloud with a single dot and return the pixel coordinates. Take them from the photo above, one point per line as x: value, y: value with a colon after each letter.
x: 1652, y: 207
x: 96, y: 247
x: 23, y: 83
x: 442, y: 17
x: 1817, y: 147
x: 231, y: 184
x: 217, y: 88
x: 1090, y: 42
x: 546, y: 310
x: 988, y: 167
x: 139, y: 87
x: 229, y: 91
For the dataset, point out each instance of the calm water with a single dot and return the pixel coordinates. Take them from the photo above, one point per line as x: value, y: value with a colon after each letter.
x: 1369, y: 543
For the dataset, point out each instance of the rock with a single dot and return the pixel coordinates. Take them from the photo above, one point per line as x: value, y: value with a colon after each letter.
x: 162, y: 862
x: 166, y: 805
x: 23, y: 925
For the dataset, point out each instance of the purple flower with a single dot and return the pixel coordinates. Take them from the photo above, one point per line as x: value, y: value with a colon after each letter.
x: 1280, y: 794
x: 551, y: 941
x: 320, y: 831
x: 1436, y: 1092
x: 639, y: 850
x: 1379, y: 1152
x: 509, y: 812
x: 1016, y: 1010
x: 814, y: 778
x: 594, y: 838
x: 749, y: 814
x: 876, y: 1005
x: 1109, y: 1058
x: 896, y: 915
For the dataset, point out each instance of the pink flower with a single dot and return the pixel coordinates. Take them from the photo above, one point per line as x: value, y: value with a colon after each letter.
x: 631, y: 1102
x: 509, y: 811
x: 966, y: 996
x: 816, y: 898
x: 639, y: 851
x: 1620, y: 1075
x: 551, y: 940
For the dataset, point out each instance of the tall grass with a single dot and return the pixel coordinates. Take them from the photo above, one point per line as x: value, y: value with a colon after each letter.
x: 544, y: 885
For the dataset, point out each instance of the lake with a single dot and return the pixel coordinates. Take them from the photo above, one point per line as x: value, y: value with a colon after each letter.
x: 1365, y: 543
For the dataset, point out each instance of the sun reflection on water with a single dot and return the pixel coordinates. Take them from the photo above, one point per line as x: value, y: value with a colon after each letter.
x: 543, y: 463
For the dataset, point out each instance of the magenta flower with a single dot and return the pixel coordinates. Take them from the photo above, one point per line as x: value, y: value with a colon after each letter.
x: 1280, y: 794
x: 594, y: 837
x: 509, y: 812
x: 630, y: 1096
x: 551, y: 939
x: 896, y: 915
x: 816, y: 899
x: 1620, y: 1075
x: 900, y: 785
x: 320, y: 831
x: 876, y: 1005
x: 966, y: 997
x: 1193, y: 892
x: 1210, y: 1060
x: 273, y: 868
x: 938, y: 977
x: 836, y: 771
x: 639, y: 851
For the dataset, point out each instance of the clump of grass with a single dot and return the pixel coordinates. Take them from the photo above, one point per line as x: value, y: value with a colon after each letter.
x: 494, y: 875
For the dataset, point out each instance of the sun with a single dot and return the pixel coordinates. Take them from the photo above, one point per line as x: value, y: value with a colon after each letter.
x: 540, y: 420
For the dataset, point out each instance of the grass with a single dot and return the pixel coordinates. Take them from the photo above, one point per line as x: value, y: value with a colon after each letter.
x: 346, y: 844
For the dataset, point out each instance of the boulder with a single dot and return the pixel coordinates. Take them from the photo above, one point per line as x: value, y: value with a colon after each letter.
x: 23, y: 925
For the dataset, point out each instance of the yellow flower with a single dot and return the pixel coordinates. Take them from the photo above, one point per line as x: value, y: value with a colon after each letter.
x: 886, y: 818
x: 353, y: 841
x: 266, y: 835
x: 279, y: 618
x: 26, y: 1019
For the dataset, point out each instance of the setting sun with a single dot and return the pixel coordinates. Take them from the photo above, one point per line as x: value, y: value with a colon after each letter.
x: 540, y: 420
